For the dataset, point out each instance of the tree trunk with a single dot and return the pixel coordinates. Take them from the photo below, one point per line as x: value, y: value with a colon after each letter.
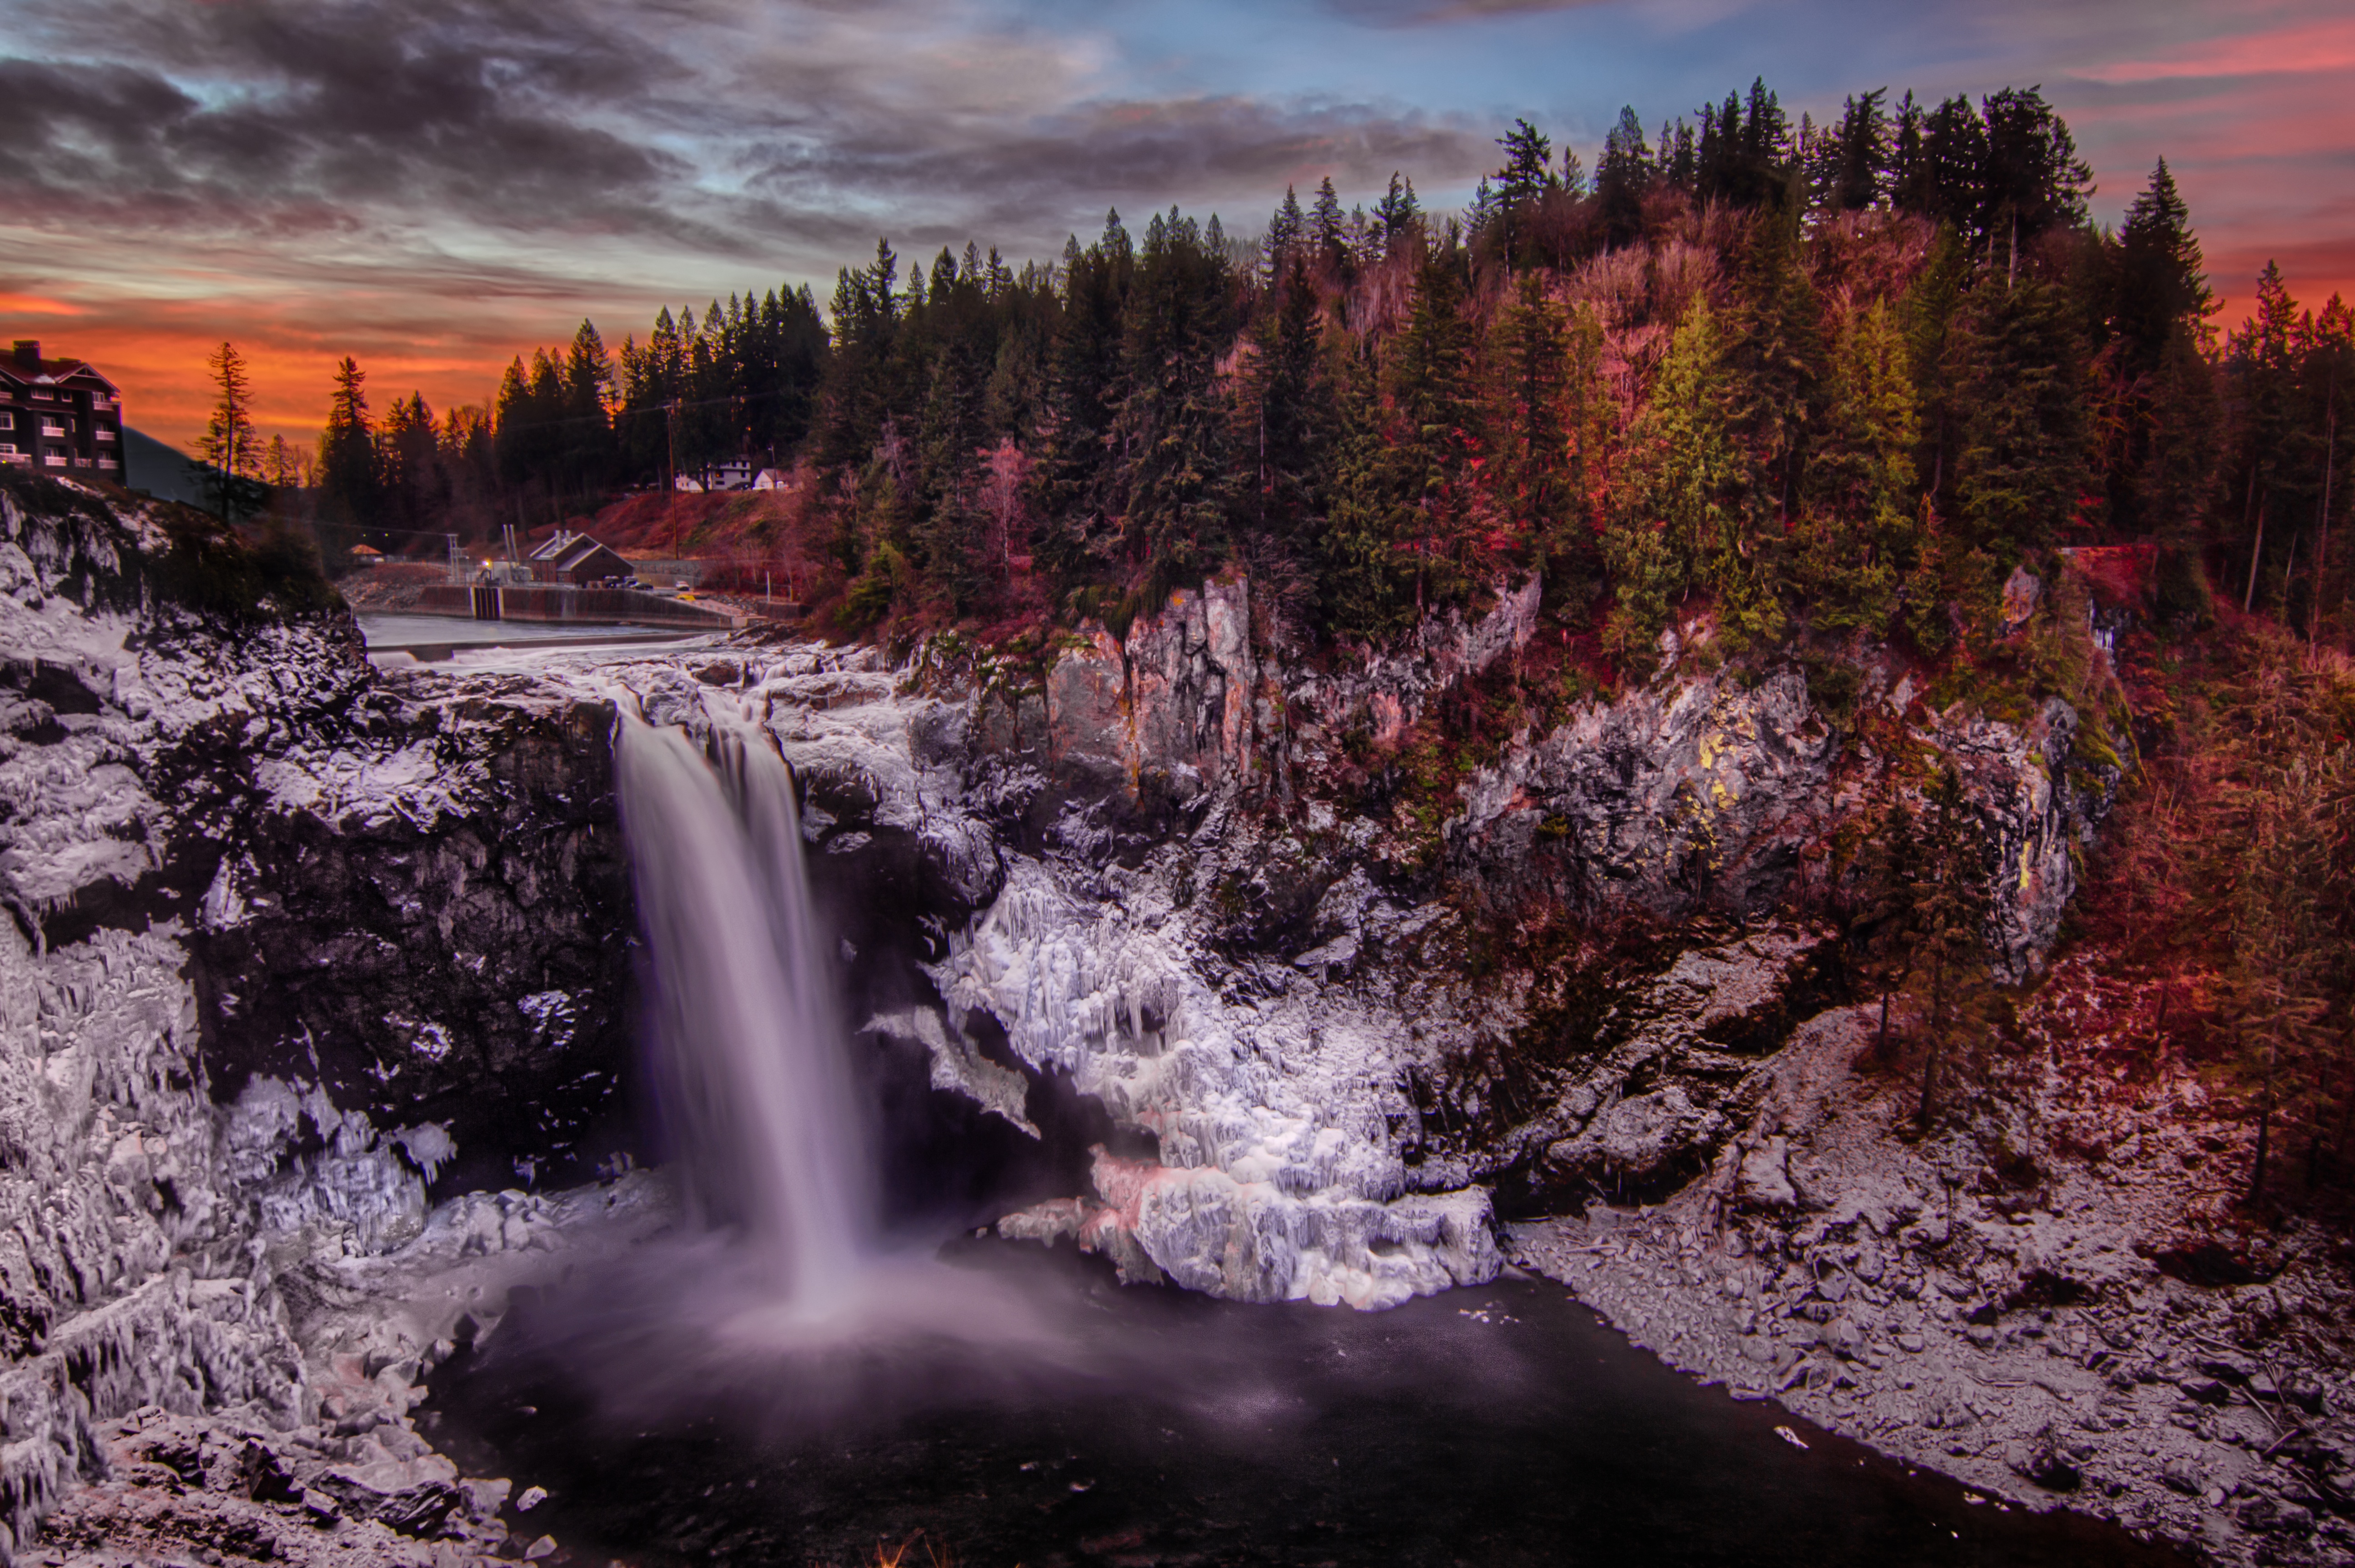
x: 2256, y: 554
x: 2264, y: 1128
x: 2322, y: 536
x: 1928, y: 1107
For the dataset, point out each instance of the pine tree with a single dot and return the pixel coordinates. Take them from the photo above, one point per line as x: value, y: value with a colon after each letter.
x: 1172, y: 427
x: 1856, y: 540
x: 1857, y: 153
x: 2159, y: 286
x: 1074, y: 476
x: 1287, y: 239
x: 1775, y: 372
x: 1366, y: 561
x: 1326, y: 225
x: 347, y: 453
x: 2022, y: 476
x: 2032, y: 180
x: 1529, y: 441
x: 1431, y: 389
x: 1951, y: 907
x: 1621, y: 179
x: 230, y: 447
x: 1676, y: 519
x: 1286, y: 407
x: 1400, y: 213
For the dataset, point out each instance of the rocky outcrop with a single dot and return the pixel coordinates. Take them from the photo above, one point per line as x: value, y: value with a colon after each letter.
x: 2020, y: 1323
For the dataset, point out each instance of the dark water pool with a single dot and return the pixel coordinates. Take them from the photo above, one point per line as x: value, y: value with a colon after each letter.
x: 1502, y: 1426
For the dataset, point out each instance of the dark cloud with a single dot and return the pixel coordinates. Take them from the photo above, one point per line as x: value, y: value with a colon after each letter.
x: 289, y: 115
x: 1423, y: 13
x: 700, y: 125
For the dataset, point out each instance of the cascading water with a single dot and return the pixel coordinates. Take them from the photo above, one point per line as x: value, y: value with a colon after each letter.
x: 768, y: 1131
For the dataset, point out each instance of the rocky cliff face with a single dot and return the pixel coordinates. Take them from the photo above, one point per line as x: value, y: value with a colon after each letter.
x: 1175, y: 884
x: 210, y: 819
x: 298, y: 945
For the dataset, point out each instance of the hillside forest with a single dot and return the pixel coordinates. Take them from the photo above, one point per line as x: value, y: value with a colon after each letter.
x: 1745, y: 391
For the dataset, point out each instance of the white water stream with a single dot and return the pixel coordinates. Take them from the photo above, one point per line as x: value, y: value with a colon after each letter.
x: 749, y: 1041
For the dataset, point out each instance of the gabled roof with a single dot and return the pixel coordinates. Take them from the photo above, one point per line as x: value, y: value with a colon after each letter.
x: 48, y: 372
x: 566, y: 551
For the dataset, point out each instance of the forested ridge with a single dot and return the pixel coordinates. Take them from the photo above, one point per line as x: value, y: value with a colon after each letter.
x: 1821, y: 381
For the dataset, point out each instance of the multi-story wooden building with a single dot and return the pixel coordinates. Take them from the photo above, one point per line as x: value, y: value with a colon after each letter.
x: 59, y: 416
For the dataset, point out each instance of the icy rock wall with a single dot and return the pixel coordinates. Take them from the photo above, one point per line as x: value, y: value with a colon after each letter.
x: 421, y: 907
x: 1265, y: 1045
x: 125, y: 1276
x: 1277, y: 1179
x: 169, y: 781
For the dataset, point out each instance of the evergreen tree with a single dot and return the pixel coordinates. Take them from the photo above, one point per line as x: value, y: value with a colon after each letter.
x: 1074, y: 476
x: 1621, y: 179
x: 2159, y: 288
x: 2033, y: 181
x: 348, y: 474
x: 1773, y: 374
x: 1288, y: 413
x: 1528, y: 361
x: 1287, y: 237
x: 1951, y: 907
x: 1367, y: 574
x: 1172, y: 426
x: 2023, y: 475
x: 1857, y: 153
x: 1857, y: 541
x: 1400, y: 213
x: 1327, y: 227
x: 230, y: 447
x: 1677, y: 517
x: 1431, y: 389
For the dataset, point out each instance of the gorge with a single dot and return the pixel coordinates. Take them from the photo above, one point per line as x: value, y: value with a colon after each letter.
x: 325, y: 984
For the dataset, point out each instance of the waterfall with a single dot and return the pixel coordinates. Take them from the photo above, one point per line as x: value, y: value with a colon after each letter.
x: 752, y: 1046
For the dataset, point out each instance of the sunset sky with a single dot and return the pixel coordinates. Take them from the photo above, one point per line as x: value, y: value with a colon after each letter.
x: 433, y: 185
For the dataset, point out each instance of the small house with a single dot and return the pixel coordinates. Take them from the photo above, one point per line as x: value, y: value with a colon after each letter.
x: 578, y: 560
x: 367, y: 555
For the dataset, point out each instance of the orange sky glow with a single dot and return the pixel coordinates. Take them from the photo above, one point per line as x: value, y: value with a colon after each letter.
x: 433, y: 277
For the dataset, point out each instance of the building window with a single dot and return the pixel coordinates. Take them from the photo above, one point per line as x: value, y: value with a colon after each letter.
x: 54, y: 458
x: 52, y: 425
x: 7, y: 420
x: 104, y: 433
x: 9, y: 449
x: 42, y: 394
x: 108, y: 463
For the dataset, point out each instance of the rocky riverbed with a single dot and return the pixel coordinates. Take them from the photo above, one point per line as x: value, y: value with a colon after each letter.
x: 2019, y: 1330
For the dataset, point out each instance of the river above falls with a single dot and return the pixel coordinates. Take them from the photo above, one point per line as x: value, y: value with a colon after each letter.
x: 1497, y: 1425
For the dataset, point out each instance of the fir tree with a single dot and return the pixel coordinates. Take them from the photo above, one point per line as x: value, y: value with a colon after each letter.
x: 230, y: 447
x: 1856, y: 540
x: 1621, y: 179
x: 347, y: 453
x: 1678, y: 519
x: 1529, y: 441
x: 2023, y: 471
x: 1326, y: 226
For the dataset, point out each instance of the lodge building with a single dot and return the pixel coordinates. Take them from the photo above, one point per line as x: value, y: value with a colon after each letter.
x: 59, y: 416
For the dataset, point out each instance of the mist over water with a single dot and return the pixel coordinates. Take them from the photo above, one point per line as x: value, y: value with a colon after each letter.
x: 785, y: 1279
